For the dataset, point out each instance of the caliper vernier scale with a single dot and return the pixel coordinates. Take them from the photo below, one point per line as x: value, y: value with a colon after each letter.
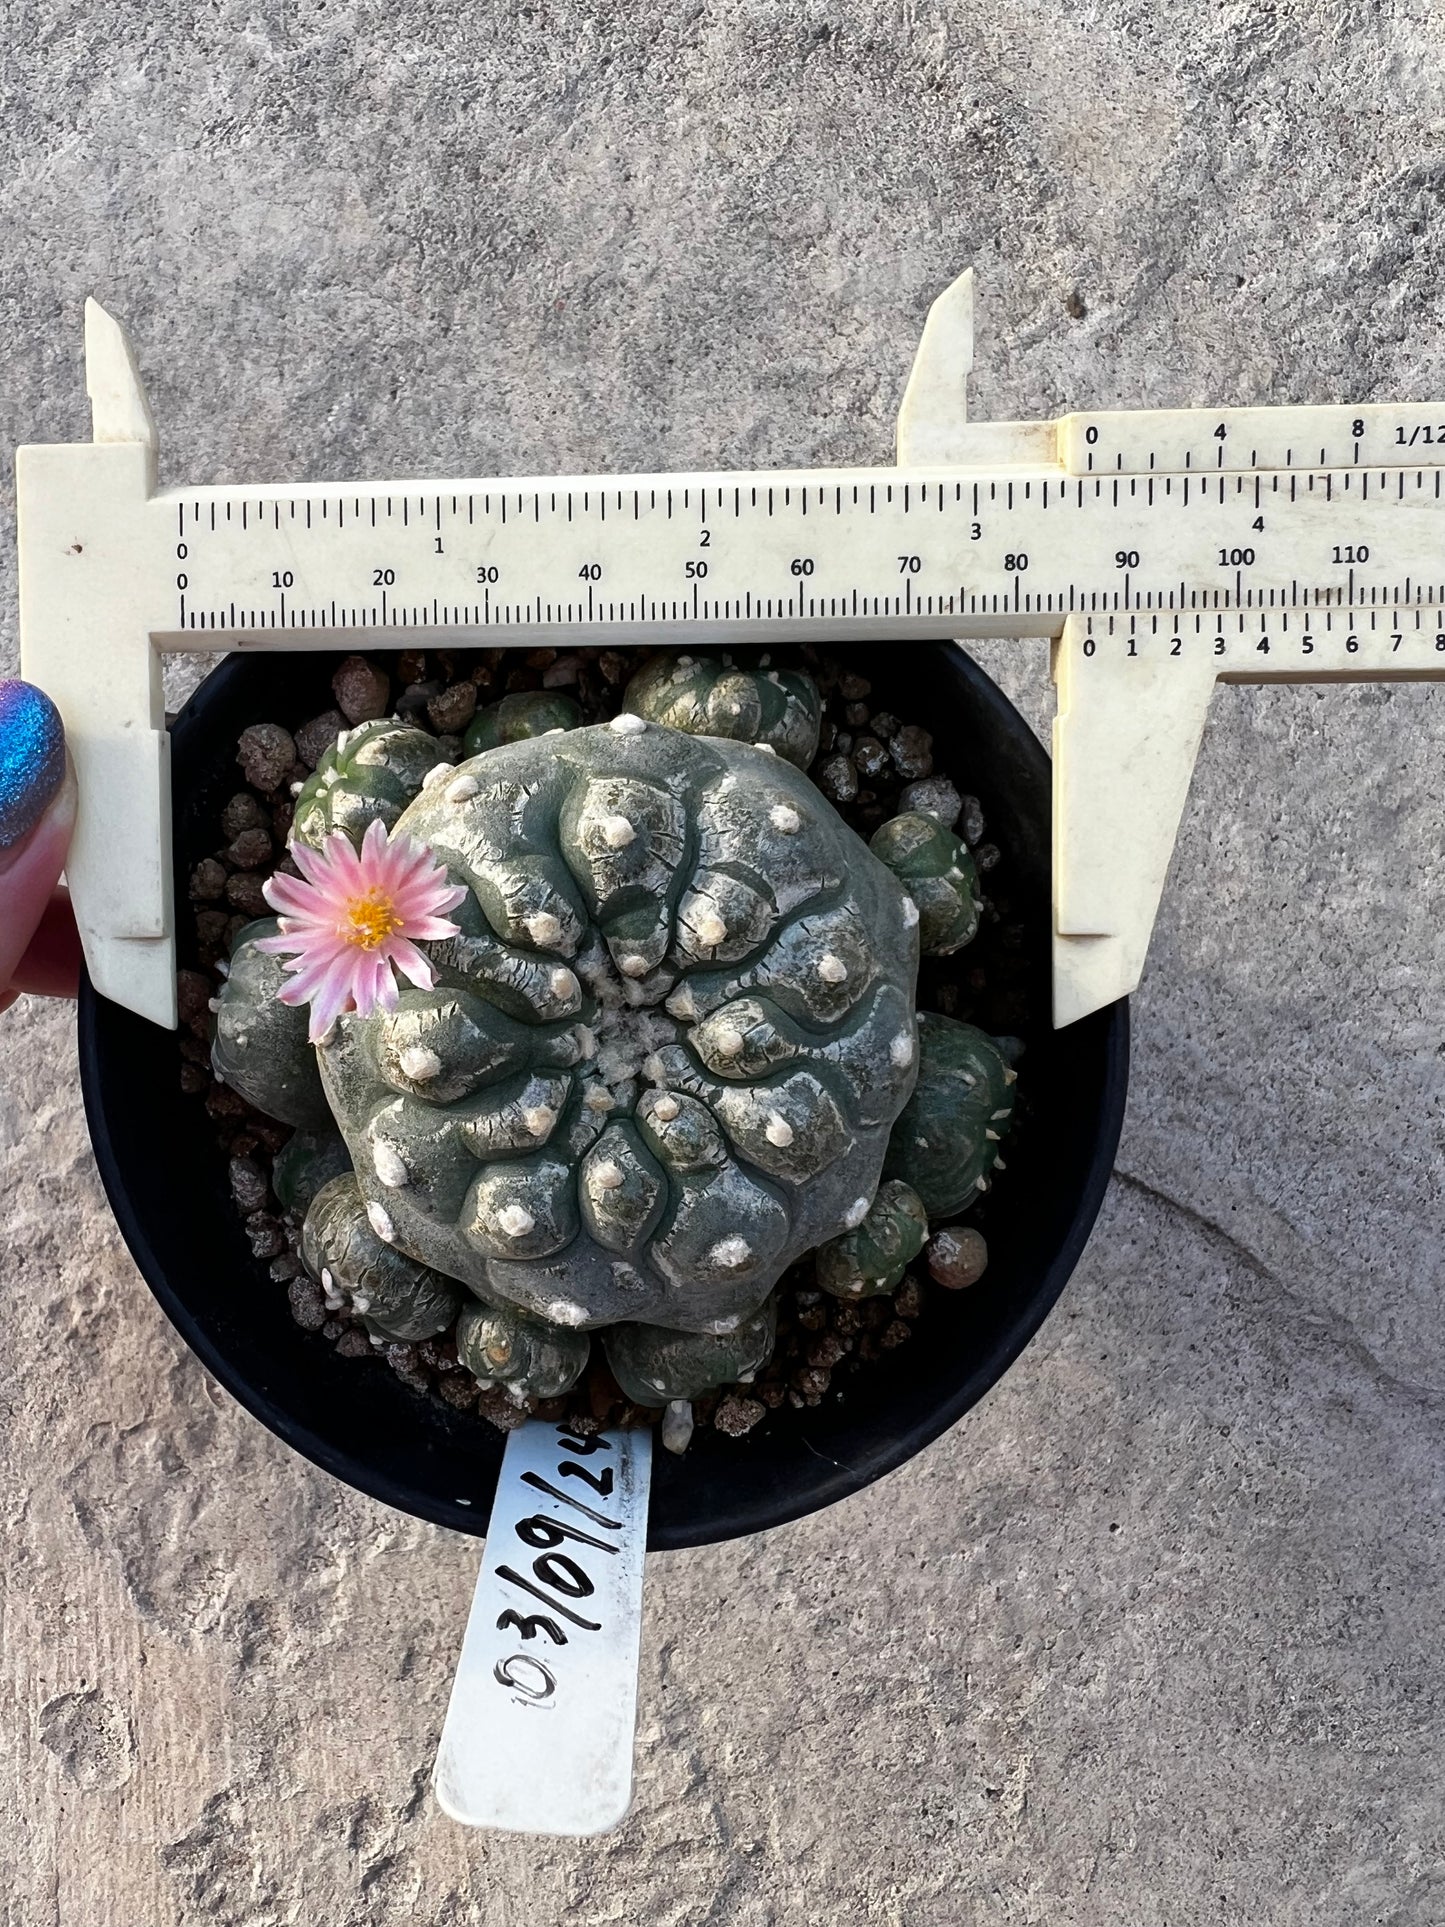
x: 1159, y: 551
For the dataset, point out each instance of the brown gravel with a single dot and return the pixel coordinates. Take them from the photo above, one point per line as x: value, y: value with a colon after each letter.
x: 265, y: 753
x: 361, y: 689
x: 453, y: 708
x: 735, y: 1415
x: 244, y: 894
x: 313, y: 739
x: 243, y: 812
x: 208, y: 880
x: 957, y: 1256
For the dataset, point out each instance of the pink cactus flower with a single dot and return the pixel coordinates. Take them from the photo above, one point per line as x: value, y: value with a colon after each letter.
x: 356, y: 915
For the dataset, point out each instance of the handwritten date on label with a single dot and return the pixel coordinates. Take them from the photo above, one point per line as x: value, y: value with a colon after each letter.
x: 539, y: 1732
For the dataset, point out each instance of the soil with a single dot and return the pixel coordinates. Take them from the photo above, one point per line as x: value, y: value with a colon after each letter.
x: 867, y: 759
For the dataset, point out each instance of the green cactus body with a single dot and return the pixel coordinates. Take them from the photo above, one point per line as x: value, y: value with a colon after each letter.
x: 776, y: 708
x: 873, y: 1257
x: 304, y: 1163
x: 654, y: 1365
x: 503, y: 1346
x: 258, y: 1045
x: 369, y: 774
x: 525, y: 713
x: 938, y: 873
x: 391, y: 1293
x: 663, y: 1056
x: 947, y: 1138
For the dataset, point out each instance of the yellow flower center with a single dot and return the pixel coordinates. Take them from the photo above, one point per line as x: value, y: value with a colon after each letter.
x: 370, y: 920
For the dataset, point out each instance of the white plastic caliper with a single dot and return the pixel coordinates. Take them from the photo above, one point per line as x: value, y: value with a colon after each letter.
x: 1157, y: 550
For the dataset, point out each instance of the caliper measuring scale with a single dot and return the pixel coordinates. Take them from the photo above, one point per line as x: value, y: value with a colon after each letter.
x: 1158, y: 551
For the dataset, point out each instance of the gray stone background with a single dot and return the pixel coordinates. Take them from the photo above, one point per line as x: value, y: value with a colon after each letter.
x: 1152, y: 1637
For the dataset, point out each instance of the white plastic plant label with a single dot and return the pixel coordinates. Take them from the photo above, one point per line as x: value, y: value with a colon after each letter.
x: 539, y: 1732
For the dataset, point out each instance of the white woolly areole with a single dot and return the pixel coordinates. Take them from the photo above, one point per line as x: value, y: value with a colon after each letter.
x: 564, y: 986
x: 779, y: 1131
x: 516, y: 1220
x: 731, y: 1252
x: 654, y: 1070
x: 855, y: 1214
x: 542, y: 927
x: 784, y: 817
x: 727, y: 1041
x: 900, y: 1051
x: 438, y: 773
x: 586, y: 1041
x: 562, y: 1311
x: 328, y: 1283
x: 379, y: 1219
x: 666, y: 1108
x: 607, y: 1176
x: 617, y: 832
x: 420, y: 1064
x: 599, y: 1098
x: 720, y: 1326
x: 539, y: 1119
x: 832, y: 969
x: 910, y: 913
x: 632, y: 966
x: 463, y: 790
x: 627, y: 724
x: 710, y: 927
x: 766, y: 748
x: 682, y: 1003
x: 390, y: 1165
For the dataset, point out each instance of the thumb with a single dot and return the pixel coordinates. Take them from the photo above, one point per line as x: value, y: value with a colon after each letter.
x: 37, y: 814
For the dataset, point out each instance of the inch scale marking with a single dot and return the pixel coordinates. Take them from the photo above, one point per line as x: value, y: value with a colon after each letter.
x: 1158, y: 551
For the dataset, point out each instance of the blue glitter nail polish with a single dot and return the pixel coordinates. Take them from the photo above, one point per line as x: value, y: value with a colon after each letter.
x: 32, y: 758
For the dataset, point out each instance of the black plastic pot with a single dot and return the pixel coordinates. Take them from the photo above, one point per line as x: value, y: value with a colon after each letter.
x: 166, y: 1177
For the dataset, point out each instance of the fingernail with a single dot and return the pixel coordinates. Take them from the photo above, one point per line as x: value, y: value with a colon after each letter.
x: 32, y: 759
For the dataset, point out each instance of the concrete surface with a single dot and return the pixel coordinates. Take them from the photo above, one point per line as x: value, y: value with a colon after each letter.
x: 1154, y: 1637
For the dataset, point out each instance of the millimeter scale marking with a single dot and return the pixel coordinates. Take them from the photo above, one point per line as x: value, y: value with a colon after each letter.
x: 1159, y: 551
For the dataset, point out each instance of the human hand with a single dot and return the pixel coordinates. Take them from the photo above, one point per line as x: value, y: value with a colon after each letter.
x: 39, y: 944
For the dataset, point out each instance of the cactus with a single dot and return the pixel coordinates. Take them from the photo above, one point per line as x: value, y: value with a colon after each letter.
x: 529, y: 712
x: 502, y: 1346
x: 654, y: 1366
x: 946, y: 1141
x: 370, y: 772
x: 304, y: 1163
x: 662, y: 1058
x: 938, y: 873
x: 873, y: 1257
x: 393, y: 1295
x: 258, y: 1046
x: 780, y: 710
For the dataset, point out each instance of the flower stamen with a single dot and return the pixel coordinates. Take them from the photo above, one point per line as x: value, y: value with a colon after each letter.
x: 370, y: 920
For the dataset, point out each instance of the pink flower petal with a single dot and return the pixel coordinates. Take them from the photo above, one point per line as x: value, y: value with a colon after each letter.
x: 430, y: 929
x: 412, y: 963
x: 327, y: 1005
x: 312, y: 865
x: 287, y: 894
